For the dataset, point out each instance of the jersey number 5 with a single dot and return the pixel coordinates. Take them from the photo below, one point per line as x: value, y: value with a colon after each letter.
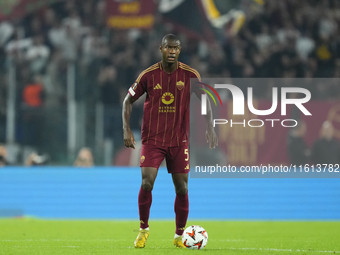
x: 186, y: 152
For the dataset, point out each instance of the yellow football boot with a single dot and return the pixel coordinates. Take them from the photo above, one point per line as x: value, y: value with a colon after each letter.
x: 141, y: 238
x: 179, y: 243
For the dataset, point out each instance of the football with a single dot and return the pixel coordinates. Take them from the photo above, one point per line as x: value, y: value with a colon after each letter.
x: 195, y: 237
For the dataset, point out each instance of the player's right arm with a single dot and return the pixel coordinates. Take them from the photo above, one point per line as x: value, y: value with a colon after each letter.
x: 135, y: 91
x: 129, y: 139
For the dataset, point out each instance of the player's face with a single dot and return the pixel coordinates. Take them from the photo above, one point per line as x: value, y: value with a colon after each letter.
x: 170, y: 51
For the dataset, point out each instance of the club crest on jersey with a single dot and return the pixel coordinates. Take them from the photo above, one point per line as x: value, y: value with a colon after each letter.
x: 180, y: 85
x: 167, y: 98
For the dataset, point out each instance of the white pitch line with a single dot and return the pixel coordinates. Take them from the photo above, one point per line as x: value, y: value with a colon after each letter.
x: 272, y: 249
x: 254, y: 249
x: 30, y: 246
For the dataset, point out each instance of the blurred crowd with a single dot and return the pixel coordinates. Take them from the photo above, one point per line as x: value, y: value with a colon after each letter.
x: 287, y: 38
x: 325, y: 149
x: 290, y: 39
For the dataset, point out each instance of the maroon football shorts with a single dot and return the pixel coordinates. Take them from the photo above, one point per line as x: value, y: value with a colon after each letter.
x: 177, y: 158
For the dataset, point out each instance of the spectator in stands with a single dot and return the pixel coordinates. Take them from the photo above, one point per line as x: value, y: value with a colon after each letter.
x: 85, y: 158
x: 93, y: 45
x: 36, y: 160
x: 305, y: 45
x: 326, y: 150
x: 3, y: 156
x: 264, y: 40
x: 33, y: 96
x: 6, y: 31
x: 298, y: 151
x: 18, y: 45
x: 110, y: 97
x: 3, y: 106
x: 325, y: 55
x: 37, y: 55
x: 56, y: 34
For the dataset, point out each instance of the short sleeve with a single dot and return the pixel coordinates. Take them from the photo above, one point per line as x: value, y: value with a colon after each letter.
x: 139, y: 87
x: 196, y: 75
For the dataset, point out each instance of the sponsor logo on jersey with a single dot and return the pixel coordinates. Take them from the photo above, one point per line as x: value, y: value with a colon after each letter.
x: 158, y: 86
x: 142, y: 159
x: 180, y: 85
x: 164, y: 109
x: 168, y: 98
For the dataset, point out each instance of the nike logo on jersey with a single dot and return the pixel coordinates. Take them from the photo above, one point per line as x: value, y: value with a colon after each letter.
x: 157, y: 86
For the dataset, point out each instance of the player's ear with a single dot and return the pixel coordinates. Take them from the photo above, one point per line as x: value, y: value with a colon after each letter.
x: 160, y: 48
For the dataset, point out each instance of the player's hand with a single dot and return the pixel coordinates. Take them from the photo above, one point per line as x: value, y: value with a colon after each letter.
x: 211, y: 137
x: 129, y: 139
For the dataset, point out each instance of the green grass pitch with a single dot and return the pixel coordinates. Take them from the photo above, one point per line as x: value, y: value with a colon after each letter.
x: 68, y: 237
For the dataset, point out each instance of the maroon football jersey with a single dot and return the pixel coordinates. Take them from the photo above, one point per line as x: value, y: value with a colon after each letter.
x: 166, y: 107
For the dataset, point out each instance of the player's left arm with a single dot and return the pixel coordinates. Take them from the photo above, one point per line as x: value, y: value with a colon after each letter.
x: 210, y: 134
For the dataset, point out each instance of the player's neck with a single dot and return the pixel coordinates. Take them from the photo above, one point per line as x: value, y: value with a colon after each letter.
x: 169, y: 67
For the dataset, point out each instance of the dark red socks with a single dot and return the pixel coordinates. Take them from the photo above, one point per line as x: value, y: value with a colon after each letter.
x: 144, y: 204
x: 181, y: 211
